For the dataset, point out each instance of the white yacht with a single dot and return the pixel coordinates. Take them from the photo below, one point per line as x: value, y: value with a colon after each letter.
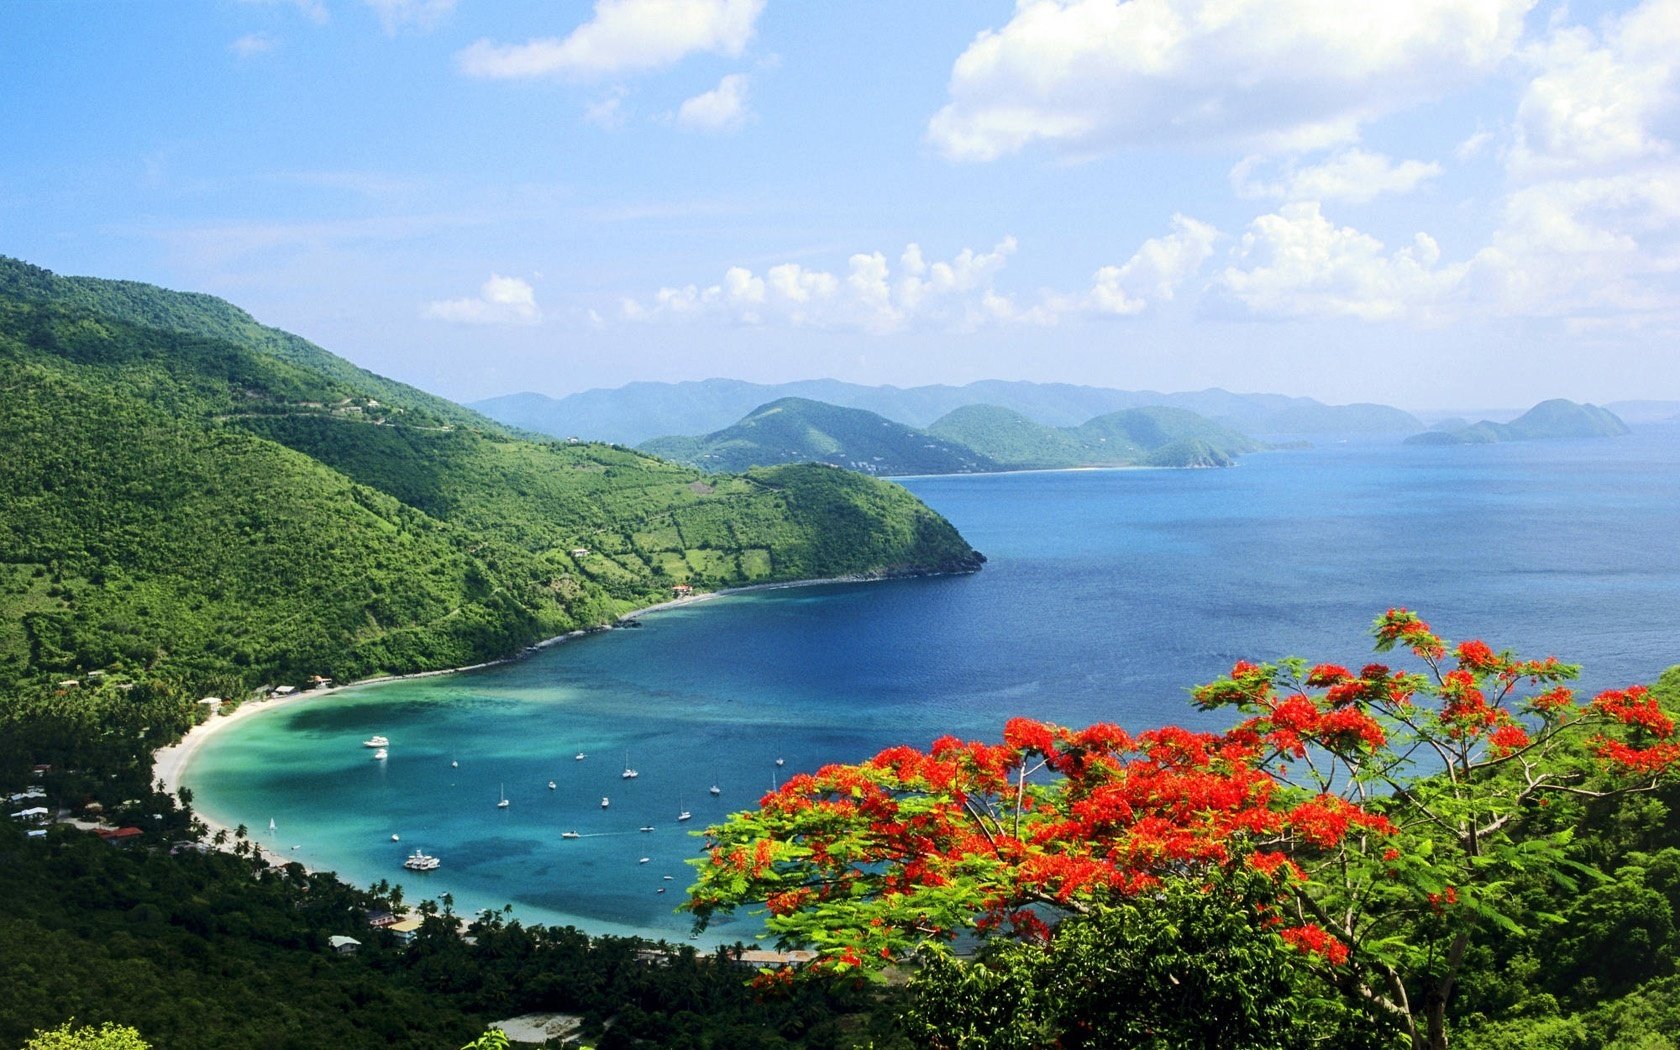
x: 605, y: 802
x: 418, y: 861
x: 376, y: 741
x: 381, y: 753
x: 570, y: 835
x: 552, y: 785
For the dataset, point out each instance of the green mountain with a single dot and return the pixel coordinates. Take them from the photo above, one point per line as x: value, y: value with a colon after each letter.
x: 1557, y: 418
x: 796, y: 430
x: 1156, y: 436
x: 638, y: 412
x: 1010, y: 438
x: 188, y: 496
x: 970, y: 439
x: 1314, y: 418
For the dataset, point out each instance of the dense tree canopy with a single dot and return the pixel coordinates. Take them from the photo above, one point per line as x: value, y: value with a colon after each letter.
x: 1397, y: 814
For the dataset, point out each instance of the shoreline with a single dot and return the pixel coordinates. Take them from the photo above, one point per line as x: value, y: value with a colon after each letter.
x: 169, y: 764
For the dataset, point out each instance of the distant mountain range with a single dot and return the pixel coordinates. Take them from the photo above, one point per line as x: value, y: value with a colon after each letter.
x: 1557, y: 418
x: 971, y: 439
x: 639, y: 411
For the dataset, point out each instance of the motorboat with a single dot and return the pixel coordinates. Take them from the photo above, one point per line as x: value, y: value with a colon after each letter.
x: 552, y: 785
x: 647, y: 827
x: 644, y: 860
x: 380, y: 754
x: 377, y: 741
x: 570, y: 835
x: 605, y: 802
x: 418, y: 861
x: 716, y: 790
x: 580, y: 756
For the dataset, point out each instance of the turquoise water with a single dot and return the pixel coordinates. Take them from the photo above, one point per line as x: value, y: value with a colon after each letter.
x: 1107, y: 595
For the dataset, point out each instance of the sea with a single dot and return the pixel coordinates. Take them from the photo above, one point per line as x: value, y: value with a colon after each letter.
x: 1106, y: 596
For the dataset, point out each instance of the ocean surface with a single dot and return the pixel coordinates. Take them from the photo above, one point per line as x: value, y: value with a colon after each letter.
x: 1108, y: 594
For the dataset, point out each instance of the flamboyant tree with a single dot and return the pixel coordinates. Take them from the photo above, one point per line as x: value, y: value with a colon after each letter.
x: 1392, y: 811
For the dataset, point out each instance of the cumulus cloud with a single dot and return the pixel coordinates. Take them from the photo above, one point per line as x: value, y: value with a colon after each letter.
x: 423, y: 15
x: 1156, y: 271
x: 1083, y: 75
x: 1350, y: 174
x: 1594, y: 102
x: 502, y: 300
x: 724, y: 108
x: 1297, y: 263
x: 875, y: 294
x: 1591, y: 226
x: 624, y: 36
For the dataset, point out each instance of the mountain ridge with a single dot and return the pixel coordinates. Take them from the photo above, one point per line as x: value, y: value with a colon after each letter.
x: 641, y: 411
x: 189, y: 496
x: 968, y: 440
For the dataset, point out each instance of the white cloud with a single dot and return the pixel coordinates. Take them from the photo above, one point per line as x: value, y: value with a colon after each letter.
x: 1297, y: 263
x: 1591, y: 226
x: 1594, y: 103
x: 624, y: 36
x: 724, y: 108
x: 1083, y: 75
x: 1350, y: 174
x: 958, y: 293
x: 502, y: 300
x: 1155, y: 271
x: 421, y: 14
x: 252, y: 44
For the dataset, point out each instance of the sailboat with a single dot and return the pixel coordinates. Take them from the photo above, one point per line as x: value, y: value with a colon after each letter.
x: 716, y: 791
x: 503, y: 804
x: 628, y: 774
x: 271, y: 825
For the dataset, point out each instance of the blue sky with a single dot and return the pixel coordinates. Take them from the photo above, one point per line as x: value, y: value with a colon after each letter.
x: 1434, y: 203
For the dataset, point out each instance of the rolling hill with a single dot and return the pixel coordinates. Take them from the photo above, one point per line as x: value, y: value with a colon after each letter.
x: 1557, y: 418
x: 971, y: 439
x: 637, y: 412
x: 190, y: 496
x: 1156, y: 436
x: 797, y: 430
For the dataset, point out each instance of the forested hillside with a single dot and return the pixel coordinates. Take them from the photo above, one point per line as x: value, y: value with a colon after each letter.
x: 189, y: 495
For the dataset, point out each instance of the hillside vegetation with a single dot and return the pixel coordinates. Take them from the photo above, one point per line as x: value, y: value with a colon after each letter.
x: 1557, y: 418
x: 797, y: 430
x: 190, y: 496
x: 638, y: 412
x: 971, y: 439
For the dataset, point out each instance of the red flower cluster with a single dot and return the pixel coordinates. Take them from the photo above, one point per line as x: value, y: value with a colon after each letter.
x: 1312, y: 938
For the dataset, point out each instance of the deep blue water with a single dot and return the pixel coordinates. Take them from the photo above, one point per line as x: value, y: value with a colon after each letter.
x: 1107, y: 595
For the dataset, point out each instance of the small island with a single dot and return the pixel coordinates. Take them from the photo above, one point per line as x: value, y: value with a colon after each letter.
x: 1549, y: 420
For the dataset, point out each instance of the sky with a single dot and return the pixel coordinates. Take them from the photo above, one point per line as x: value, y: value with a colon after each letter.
x: 1437, y: 204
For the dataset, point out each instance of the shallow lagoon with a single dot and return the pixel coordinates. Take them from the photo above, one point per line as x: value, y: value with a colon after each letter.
x: 1107, y: 595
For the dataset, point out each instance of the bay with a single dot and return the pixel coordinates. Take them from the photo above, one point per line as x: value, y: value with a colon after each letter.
x: 1108, y: 594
